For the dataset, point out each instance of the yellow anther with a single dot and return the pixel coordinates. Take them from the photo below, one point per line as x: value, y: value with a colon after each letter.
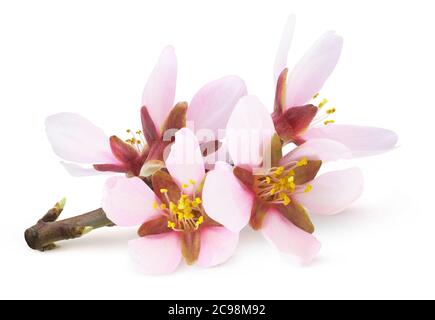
x: 268, y: 180
x: 279, y: 171
x: 138, y: 142
x: 128, y: 130
x: 163, y: 206
x: 185, y: 186
x: 171, y: 225
x: 285, y: 198
x: 155, y: 205
x: 192, y: 182
x: 163, y: 190
x: 308, y: 188
x: 316, y: 96
x: 199, y: 221
x: 172, y: 207
x: 330, y: 111
x: 139, y: 132
x: 302, y: 162
x: 328, y: 122
x: 322, y: 103
x: 198, y: 200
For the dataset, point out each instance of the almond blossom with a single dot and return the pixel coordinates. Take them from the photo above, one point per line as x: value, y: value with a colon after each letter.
x: 87, y: 150
x: 172, y: 218
x: 277, y: 199
x: 297, y: 115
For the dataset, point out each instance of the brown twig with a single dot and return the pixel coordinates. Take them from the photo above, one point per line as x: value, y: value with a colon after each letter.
x: 44, y: 234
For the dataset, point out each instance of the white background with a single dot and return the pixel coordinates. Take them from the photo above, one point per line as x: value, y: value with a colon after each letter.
x: 93, y: 58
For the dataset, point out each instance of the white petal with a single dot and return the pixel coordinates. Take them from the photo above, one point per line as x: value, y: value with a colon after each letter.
x: 76, y: 139
x: 284, y: 46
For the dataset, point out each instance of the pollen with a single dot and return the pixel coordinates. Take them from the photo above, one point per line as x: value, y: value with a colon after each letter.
x: 316, y: 96
x: 163, y: 190
x: 331, y: 111
x: 185, y: 186
x: 171, y: 224
x: 308, y: 188
x: 192, y: 182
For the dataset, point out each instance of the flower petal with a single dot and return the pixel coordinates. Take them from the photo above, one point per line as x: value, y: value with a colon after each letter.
x: 185, y: 161
x: 318, y: 149
x: 157, y: 254
x: 288, y: 238
x: 311, y: 72
x: 332, y: 192
x: 159, y: 93
x: 217, y: 246
x: 284, y: 46
x: 225, y: 200
x: 249, y: 131
x: 76, y: 139
x: 80, y: 171
x: 128, y: 201
x: 212, y: 106
x: 361, y: 140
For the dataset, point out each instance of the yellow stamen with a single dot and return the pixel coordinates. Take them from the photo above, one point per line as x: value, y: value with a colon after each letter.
x: 328, y: 122
x: 163, y: 206
x: 163, y: 190
x: 330, y: 111
x: 192, y: 182
x: 286, y: 199
x: 308, y: 188
x: 322, y: 103
x: 185, y: 186
x: 268, y: 180
x: 199, y: 221
x: 302, y: 162
x: 155, y: 205
x: 171, y: 225
x: 316, y: 96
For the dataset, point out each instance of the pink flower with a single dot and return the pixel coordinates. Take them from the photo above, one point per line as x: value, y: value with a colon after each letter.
x: 276, y: 200
x: 173, y: 222
x: 79, y: 142
x: 297, y: 119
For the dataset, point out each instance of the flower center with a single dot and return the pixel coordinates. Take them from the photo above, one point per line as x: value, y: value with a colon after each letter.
x: 278, y: 185
x: 187, y: 214
x: 322, y: 116
x: 136, y: 140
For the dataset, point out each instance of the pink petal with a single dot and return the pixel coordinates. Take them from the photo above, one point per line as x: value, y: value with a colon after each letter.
x: 157, y: 254
x: 80, y: 171
x: 318, y: 149
x: 185, y: 161
x: 288, y: 238
x: 159, y: 92
x: 361, y: 140
x: 311, y: 72
x: 217, y: 246
x: 225, y: 200
x: 333, y: 192
x: 76, y: 139
x: 284, y: 46
x: 211, y: 107
x: 249, y: 131
x: 128, y: 201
